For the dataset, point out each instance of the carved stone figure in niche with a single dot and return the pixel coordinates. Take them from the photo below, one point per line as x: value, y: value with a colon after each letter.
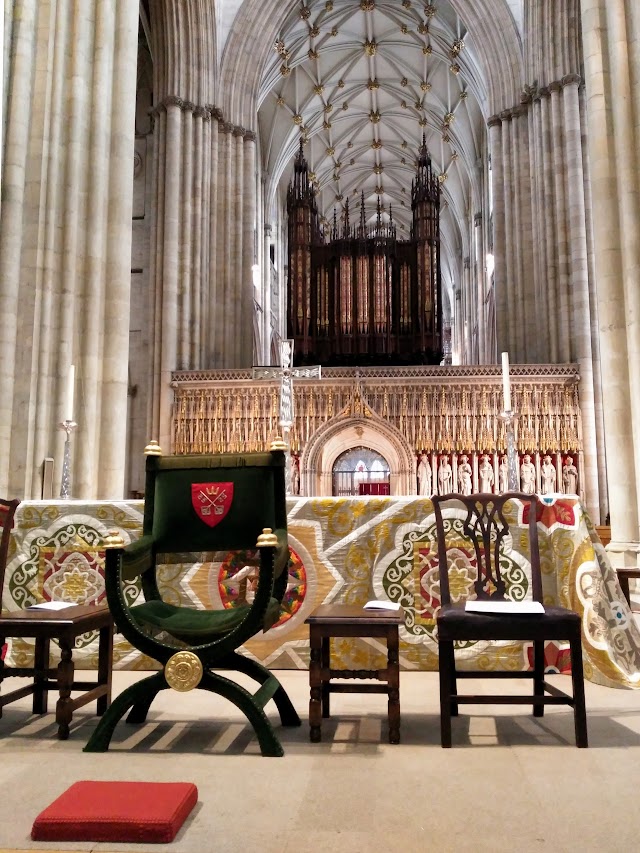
x: 503, y: 474
x: 570, y: 477
x: 464, y: 476
x: 424, y: 476
x: 527, y: 475
x: 295, y: 475
x: 548, y: 474
x: 445, y: 476
x: 486, y: 474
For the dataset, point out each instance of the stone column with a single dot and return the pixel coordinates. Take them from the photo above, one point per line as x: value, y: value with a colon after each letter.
x: 168, y: 216
x: 111, y: 467
x: 186, y: 240
x: 580, y: 318
x: 249, y: 246
x: 213, y: 298
x: 237, y: 293
x: 499, y: 235
x: 66, y: 227
x: 479, y: 284
x: 614, y: 179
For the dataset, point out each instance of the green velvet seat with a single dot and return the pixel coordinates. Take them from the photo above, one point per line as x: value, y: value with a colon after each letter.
x: 195, y: 505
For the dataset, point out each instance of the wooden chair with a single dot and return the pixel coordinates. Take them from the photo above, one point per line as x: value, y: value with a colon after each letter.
x: 195, y: 505
x: 472, y: 532
x: 625, y: 574
x: 63, y: 626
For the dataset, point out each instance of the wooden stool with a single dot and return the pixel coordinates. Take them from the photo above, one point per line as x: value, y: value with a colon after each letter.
x: 64, y: 626
x: 349, y: 620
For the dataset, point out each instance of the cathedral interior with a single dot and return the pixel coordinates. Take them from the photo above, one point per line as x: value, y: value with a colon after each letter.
x: 401, y: 190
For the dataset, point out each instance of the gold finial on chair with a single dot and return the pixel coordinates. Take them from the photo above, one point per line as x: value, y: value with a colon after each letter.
x: 267, y: 539
x: 153, y: 449
x: 113, y: 540
x: 278, y: 444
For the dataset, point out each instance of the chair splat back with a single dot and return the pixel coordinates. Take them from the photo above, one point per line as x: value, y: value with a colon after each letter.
x: 486, y: 528
x: 480, y: 534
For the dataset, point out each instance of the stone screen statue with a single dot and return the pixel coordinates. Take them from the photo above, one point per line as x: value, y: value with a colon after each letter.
x: 464, y: 476
x: 527, y: 475
x: 445, y: 476
x: 570, y: 477
x: 503, y: 474
x: 486, y: 474
x: 424, y: 475
x: 548, y: 474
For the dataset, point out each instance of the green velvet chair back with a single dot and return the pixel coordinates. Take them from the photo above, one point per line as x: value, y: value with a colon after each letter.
x: 177, y: 486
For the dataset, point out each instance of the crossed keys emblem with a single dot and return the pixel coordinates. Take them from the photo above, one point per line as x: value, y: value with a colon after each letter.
x: 211, y: 501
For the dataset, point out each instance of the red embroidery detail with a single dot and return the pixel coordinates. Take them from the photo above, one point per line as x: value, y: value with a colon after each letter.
x: 211, y: 501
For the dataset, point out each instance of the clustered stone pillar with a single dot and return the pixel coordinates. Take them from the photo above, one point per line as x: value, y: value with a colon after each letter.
x: 613, y: 104
x: 65, y: 240
x: 201, y: 277
x: 543, y: 288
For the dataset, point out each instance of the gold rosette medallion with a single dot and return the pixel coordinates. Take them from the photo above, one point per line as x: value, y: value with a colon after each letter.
x: 183, y: 671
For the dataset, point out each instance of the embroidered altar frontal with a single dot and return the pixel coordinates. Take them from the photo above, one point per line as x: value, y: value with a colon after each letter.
x: 343, y: 550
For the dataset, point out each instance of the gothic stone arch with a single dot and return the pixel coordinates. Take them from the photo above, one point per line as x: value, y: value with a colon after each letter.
x: 342, y: 433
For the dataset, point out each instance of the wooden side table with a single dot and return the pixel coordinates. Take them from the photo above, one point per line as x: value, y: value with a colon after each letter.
x: 64, y: 626
x: 349, y: 620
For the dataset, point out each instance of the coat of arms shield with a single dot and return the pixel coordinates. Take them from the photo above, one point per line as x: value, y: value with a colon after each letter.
x: 211, y: 501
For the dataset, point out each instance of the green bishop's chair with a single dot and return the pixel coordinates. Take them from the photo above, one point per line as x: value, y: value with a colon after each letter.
x: 213, y: 503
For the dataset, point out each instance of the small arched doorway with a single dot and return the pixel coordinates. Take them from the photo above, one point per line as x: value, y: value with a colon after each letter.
x: 360, y: 471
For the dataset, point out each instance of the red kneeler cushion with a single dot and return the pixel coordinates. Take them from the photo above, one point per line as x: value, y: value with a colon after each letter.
x: 117, y: 811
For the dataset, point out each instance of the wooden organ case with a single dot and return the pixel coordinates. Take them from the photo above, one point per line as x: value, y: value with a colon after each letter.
x: 359, y: 295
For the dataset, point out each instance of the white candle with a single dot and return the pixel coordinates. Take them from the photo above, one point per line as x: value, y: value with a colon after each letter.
x: 70, y: 392
x: 506, y: 382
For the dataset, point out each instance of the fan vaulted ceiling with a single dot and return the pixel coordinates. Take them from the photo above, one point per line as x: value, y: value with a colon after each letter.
x: 361, y: 83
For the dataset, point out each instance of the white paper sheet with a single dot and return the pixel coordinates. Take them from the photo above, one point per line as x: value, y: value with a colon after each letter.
x: 525, y: 607
x: 50, y: 605
x: 381, y: 605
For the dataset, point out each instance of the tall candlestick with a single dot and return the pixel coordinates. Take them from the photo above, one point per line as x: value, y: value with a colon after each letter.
x: 70, y: 393
x: 506, y: 382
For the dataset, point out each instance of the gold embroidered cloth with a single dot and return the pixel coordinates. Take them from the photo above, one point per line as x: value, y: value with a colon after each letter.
x: 343, y: 550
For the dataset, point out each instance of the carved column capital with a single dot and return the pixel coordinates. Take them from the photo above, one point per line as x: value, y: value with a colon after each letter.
x: 571, y: 80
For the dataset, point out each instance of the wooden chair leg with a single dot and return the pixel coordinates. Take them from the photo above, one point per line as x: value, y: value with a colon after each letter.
x: 326, y: 664
x: 453, y: 682
x: 579, y: 709
x: 538, y: 676
x: 445, y: 650
x: 315, y: 686
x: 393, y: 674
x: 105, y: 666
x: 623, y: 580
x: 64, y: 705
x: 40, y: 676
